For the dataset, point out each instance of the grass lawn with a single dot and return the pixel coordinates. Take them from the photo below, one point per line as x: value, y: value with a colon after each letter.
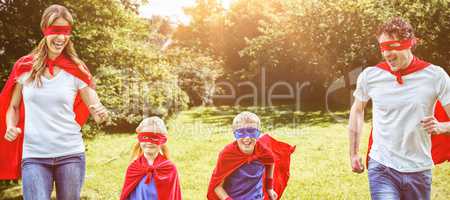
x: 319, y: 169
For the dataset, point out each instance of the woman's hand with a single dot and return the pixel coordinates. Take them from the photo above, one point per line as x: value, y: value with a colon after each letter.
x: 99, y: 112
x: 12, y: 133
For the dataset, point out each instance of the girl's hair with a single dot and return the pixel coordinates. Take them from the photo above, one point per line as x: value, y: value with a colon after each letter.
x: 244, y: 118
x: 40, y: 53
x: 150, y: 124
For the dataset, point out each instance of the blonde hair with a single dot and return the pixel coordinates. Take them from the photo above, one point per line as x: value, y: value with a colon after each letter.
x: 244, y: 119
x: 40, y: 53
x: 150, y: 124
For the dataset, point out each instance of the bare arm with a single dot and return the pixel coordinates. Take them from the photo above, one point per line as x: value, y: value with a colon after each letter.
x: 220, y: 192
x: 446, y: 125
x: 90, y: 98
x: 270, y: 171
x: 269, y: 175
x: 355, y: 128
x: 12, y: 114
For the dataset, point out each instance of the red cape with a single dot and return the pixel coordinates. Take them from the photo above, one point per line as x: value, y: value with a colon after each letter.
x: 164, y: 173
x: 440, y: 149
x: 11, y: 152
x: 231, y: 158
x: 282, y: 152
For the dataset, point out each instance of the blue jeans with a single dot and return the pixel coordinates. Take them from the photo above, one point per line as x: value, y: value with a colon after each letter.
x: 389, y: 184
x: 39, y: 174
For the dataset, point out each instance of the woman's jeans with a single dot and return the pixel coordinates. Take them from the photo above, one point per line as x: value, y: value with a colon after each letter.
x: 39, y: 174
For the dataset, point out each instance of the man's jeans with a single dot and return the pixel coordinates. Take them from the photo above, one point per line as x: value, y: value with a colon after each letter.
x: 389, y: 184
x: 39, y: 174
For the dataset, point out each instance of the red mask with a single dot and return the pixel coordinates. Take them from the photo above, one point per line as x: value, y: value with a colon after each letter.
x: 154, y: 138
x: 57, y: 30
x: 397, y: 45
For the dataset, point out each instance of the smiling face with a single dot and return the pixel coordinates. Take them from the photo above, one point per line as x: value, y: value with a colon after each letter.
x: 150, y: 148
x: 247, y: 144
x: 246, y: 120
x: 154, y: 125
x: 57, y: 42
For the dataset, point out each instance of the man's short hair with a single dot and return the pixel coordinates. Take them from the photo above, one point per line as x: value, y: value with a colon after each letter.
x: 398, y: 28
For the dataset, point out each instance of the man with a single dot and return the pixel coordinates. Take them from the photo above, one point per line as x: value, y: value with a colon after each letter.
x: 403, y: 90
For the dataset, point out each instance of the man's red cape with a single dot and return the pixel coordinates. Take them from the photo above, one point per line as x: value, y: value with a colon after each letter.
x: 267, y: 150
x: 164, y: 174
x: 11, y: 152
x: 440, y: 150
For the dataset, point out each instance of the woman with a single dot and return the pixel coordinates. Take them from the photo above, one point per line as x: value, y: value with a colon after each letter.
x: 56, y: 90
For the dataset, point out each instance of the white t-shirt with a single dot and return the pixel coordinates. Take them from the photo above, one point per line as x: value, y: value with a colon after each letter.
x: 50, y: 126
x: 399, y: 141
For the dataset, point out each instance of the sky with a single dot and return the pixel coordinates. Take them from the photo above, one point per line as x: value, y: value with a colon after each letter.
x: 172, y: 9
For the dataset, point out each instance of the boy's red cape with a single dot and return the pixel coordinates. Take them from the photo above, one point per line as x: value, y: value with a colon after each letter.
x: 164, y: 174
x: 11, y: 152
x: 267, y: 150
x: 440, y: 149
x: 282, y: 153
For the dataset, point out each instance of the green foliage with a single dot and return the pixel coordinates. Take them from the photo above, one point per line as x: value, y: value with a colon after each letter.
x: 295, y: 40
x: 19, y: 32
x: 197, y: 74
x: 135, y: 75
x: 327, y: 39
x: 223, y: 32
x: 316, y: 41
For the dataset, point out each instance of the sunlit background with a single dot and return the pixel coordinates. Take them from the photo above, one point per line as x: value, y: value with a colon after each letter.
x: 172, y: 9
x: 197, y: 63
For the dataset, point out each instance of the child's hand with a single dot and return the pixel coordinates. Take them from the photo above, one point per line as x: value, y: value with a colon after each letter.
x: 272, y: 194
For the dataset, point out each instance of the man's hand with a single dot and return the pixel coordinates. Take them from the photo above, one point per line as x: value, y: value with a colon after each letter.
x: 357, y: 164
x: 433, y: 126
x: 12, y: 133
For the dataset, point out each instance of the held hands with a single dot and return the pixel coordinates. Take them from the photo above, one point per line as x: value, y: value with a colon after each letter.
x: 357, y: 164
x: 99, y: 112
x: 12, y: 133
x: 432, y: 126
x: 272, y: 194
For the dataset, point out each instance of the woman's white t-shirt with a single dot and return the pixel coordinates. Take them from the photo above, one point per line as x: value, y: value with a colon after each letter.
x: 50, y: 126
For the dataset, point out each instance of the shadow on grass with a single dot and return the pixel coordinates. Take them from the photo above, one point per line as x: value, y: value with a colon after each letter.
x: 272, y: 117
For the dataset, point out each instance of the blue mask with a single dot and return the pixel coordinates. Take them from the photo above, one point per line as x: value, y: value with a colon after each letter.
x: 247, y: 132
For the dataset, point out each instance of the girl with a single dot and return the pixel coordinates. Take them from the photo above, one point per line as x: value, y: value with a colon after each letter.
x: 151, y: 176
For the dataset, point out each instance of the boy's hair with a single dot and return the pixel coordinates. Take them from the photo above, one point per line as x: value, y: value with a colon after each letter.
x: 246, y: 118
x: 398, y: 28
x: 151, y: 124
